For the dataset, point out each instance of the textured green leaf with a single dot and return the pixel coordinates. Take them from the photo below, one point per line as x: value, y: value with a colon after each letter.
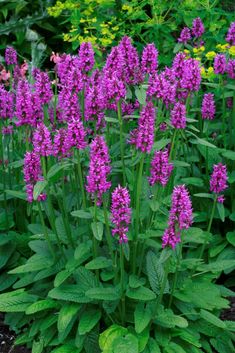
x: 155, y: 273
x: 231, y: 237
x: 66, y: 348
x: 38, y: 346
x: 61, y: 277
x: 141, y: 293
x: 38, y: 188
x: 41, y: 305
x: 212, y: 319
x: 88, y: 320
x: 169, y: 319
x: 135, y: 281
x: 70, y: 292
x: 97, y: 229
x: 127, y: 344
x: 81, y: 214
x: 67, y: 316
x: 100, y: 293
x: 35, y: 263
x: 16, y: 301
x: 98, y: 263
x: 142, y: 317
x: 82, y: 253
x: 107, y: 337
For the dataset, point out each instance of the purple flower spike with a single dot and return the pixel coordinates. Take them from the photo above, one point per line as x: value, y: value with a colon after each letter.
x: 230, y: 38
x: 219, y: 177
x: 160, y: 168
x: 185, y: 35
x: 178, y: 116
x: 6, y: 103
x: 121, y: 213
x: 42, y: 141
x: 181, y: 216
x: 10, y: 56
x: 191, y: 78
x: 76, y: 135
x: 99, y: 169
x: 220, y: 64
x: 43, y: 88
x: 32, y: 172
x: 143, y: 136
x: 231, y: 68
x: 208, y: 106
x: 198, y: 27
x: 61, y: 147
x: 86, y: 57
x: 149, y: 60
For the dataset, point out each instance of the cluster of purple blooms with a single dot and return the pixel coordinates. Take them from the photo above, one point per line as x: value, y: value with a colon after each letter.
x: 181, y: 216
x: 195, y: 32
x: 230, y: 38
x: 218, y: 181
x: 208, y: 106
x: 121, y: 213
x: 160, y: 168
x: 99, y: 169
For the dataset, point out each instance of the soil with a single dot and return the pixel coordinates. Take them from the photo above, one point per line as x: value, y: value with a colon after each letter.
x: 7, y: 337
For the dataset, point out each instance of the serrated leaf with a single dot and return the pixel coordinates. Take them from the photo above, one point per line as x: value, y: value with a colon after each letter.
x: 217, y: 266
x: 67, y: 317
x: 41, y: 305
x: 155, y: 273
x: 221, y: 211
x: 82, y: 253
x: 231, y: 237
x: 107, y: 293
x: 70, y: 292
x: 38, y: 188
x: 169, y: 319
x: 97, y: 229
x: 107, y: 337
x: 61, y: 277
x: 205, y: 143
x: 88, y: 320
x: 135, y: 281
x: 56, y: 171
x: 16, y: 301
x: 66, y: 348
x: 35, y: 263
x: 212, y: 319
x: 98, y: 263
x: 141, y: 293
x: 38, y: 346
x: 81, y: 214
x: 142, y: 317
x: 140, y: 94
x: 126, y: 344
x: 229, y: 154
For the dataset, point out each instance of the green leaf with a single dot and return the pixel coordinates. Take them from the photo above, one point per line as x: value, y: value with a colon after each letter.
x: 17, y: 194
x: 152, y: 346
x: 140, y: 94
x: 111, y: 120
x: 70, y: 292
x: 66, y: 348
x: 212, y: 319
x: 135, y: 281
x: 142, y: 317
x: 107, y: 293
x: 97, y: 229
x: 38, y: 188
x: 205, y: 143
x: 16, y: 301
x: 161, y: 144
x: 81, y: 214
x: 38, y: 346
x: 41, y: 305
x: 196, y: 235
x: 127, y: 344
x: 82, y: 253
x: 107, y: 337
x: 88, y: 320
x: 193, y: 181
x: 221, y: 210
x: 169, y: 319
x: 61, y: 277
x: 155, y: 272
x: 231, y: 237
x: 141, y: 293
x: 98, y: 263
x: 56, y: 172
x: 217, y: 266
x: 229, y: 154
x: 67, y: 317
x: 35, y: 263
x: 204, y: 195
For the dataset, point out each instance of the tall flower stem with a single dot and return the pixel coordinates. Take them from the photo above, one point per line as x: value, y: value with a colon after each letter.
x: 209, y: 226
x: 122, y: 280
x: 223, y: 111
x: 179, y: 257
x: 173, y: 143
x: 83, y: 104
x: 233, y: 118
x: 82, y: 187
x: 51, y: 217
x: 3, y: 176
x: 137, y: 215
x: 45, y: 230
x: 108, y: 232
x: 119, y: 110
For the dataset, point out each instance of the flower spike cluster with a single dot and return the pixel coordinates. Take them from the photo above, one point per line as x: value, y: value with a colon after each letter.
x: 218, y: 181
x: 181, y: 216
x: 160, y: 168
x: 208, y: 106
x: 121, y: 213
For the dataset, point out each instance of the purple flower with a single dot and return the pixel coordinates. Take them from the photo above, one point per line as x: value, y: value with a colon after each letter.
x: 208, y: 106
x: 42, y: 141
x: 6, y: 103
x: 198, y: 27
x: 178, y: 116
x: 43, y: 87
x: 7, y: 130
x: 115, y: 62
x: 163, y: 126
x: 230, y: 38
x: 219, y: 177
x: 191, y: 78
x: 185, y: 35
x: 32, y: 172
x: 24, y: 108
x: 131, y: 69
x: 220, y: 64
x: 161, y: 87
x: 99, y: 169
x: 10, y: 56
x: 160, y: 168
x: 68, y: 105
x: 143, y: 136
x: 149, y: 60
x: 221, y: 199
x: 76, y: 135
x: 121, y: 213
x: 231, y: 68
x: 61, y: 147
x: 181, y: 216
x: 178, y: 64
x: 86, y: 57
x: 114, y: 88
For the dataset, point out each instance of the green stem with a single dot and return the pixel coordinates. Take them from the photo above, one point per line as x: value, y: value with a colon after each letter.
x: 119, y: 109
x: 3, y: 177
x: 209, y: 226
x: 45, y: 230
x: 233, y: 119
x: 122, y: 280
x: 173, y: 143
x: 223, y: 111
x: 176, y: 272
x: 81, y: 180
x: 108, y: 232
